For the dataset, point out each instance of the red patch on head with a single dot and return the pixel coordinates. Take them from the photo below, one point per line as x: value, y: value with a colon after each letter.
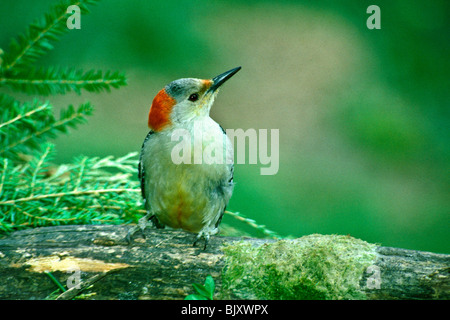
x: 207, y: 83
x: 159, y: 115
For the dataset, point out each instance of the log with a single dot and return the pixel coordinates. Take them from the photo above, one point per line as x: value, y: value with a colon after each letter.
x: 95, y: 262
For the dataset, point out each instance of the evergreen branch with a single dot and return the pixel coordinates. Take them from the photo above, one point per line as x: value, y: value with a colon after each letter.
x: 34, y: 192
x: 44, y: 218
x: 70, y: 117
x: 36, y: 40
x: 68, y: 194
x: 40, y: 165
x: 59, y: 81
x: 23, y: 115
x: 80, y: 174
x: 106, y: 207
x: 17, y: 120
x: 125, y: 163
x: 252, y: 223
x: 4, y: 170
x: 73, y: 193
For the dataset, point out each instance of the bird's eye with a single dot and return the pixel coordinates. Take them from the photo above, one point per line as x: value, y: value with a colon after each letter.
x: 193, y: 97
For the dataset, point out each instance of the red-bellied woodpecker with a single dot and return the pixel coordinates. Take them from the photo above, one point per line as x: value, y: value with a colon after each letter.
x: 186, y: 185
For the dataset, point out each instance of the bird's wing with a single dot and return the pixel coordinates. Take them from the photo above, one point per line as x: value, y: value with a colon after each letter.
x: 141, y: 170
x: 226, y: 188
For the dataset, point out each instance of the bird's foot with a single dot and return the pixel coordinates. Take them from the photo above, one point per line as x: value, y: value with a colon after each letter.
x: 141, y: 226
x: 205, y: 237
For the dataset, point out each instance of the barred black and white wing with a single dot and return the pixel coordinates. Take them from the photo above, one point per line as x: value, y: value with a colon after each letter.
x: 141, y: 170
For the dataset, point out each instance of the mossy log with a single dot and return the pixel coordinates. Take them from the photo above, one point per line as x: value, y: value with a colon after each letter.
x: 95, y: 262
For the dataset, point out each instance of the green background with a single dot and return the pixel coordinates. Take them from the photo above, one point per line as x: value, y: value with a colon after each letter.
x: 363, y: 114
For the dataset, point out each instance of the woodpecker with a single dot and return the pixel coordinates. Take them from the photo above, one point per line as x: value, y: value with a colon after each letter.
x: 191, y: 195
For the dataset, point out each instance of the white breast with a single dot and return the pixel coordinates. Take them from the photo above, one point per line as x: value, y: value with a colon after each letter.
x: 191, y: 196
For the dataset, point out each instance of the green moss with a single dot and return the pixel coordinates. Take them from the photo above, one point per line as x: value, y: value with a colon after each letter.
x: 311, y: 267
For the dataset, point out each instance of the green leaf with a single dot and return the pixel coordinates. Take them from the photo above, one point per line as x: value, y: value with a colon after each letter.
x: 201, y: 289
x: 51, y: 276
x: 207, y: 290
x: 210, y: 286
x: 195, y: 297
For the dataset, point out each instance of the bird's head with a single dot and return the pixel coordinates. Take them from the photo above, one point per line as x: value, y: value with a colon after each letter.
x: 184, y: 100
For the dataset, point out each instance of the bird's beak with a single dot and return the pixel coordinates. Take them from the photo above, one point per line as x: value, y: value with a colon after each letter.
x: 221, y: 78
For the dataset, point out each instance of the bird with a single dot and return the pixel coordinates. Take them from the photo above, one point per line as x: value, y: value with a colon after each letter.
x: 193, y: 194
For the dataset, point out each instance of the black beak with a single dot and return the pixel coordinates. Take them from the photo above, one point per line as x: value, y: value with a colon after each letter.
x: 221, y: 78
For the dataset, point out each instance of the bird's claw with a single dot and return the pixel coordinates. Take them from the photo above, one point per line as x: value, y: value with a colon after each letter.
x: 132, y: 232
x: 205, y: 237
x: 142, y: 224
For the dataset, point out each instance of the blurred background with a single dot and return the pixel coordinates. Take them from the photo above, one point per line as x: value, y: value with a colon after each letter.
x: 363, y: 114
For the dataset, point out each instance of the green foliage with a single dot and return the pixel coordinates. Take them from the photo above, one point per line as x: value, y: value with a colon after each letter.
x: 16, y: 66
x: 61, y: 289
x: 59, y: 81
x: 37, y: 39
x: 36, y: 193
x: 55, y: 281
x: 204, y: 292
x: 269, y: 234
x: 24, y: 127
x: 33, y: 191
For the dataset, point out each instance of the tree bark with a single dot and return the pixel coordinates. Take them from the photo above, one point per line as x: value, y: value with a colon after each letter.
x: 95, y: 262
